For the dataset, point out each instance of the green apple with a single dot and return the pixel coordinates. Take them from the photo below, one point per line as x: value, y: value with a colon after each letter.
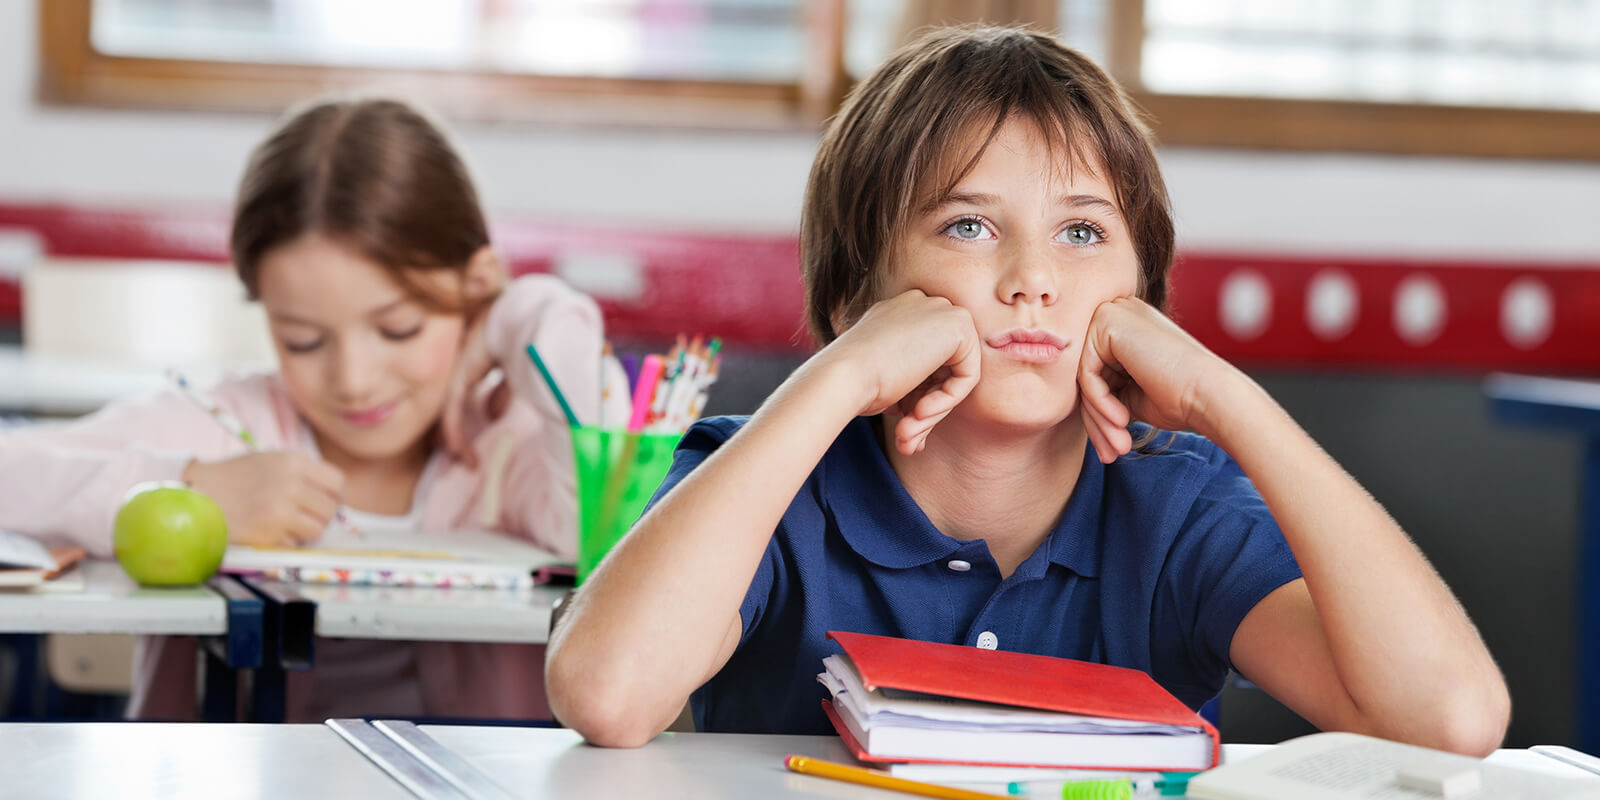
x: 167, y: 534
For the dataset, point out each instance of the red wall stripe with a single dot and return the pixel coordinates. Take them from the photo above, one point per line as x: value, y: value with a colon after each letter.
x: 1254, y: 309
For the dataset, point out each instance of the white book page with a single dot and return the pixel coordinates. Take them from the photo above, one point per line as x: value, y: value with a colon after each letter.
x: 17, y: 550
x: 1347, y: 766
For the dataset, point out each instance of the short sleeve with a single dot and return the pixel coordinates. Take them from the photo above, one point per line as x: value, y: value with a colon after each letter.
x: 699, y: 442
x: 1227, y: 556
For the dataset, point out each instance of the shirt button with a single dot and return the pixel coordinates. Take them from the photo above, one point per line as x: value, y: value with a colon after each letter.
x: 988, y: 641
x: 957, y: 565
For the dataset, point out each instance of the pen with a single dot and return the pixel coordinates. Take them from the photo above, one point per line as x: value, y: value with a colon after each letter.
x: 232, y: 425
x: 867, y: 777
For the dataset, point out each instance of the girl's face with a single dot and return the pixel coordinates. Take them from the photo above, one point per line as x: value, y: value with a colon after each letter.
x: 366, y: 364
x: 1031, y: 250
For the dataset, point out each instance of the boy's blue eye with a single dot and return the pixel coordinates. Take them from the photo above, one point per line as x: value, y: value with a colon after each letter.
x: 1080, y: 233
x: 969, y: 228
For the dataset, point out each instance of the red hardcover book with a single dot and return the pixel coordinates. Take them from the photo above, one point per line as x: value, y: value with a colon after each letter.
x: 886, y: 728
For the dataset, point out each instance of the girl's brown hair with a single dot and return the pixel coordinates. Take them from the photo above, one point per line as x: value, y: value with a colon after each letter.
x: 890, y: 151
x: 373, y: 175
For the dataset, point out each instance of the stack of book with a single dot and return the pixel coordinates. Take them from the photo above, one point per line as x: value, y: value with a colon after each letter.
x: 913, y: 706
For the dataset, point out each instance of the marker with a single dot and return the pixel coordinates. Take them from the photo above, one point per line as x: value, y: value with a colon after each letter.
x: 644, y: 392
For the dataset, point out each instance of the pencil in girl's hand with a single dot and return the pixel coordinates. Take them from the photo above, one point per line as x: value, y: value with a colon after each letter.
x: 232, y: 425
x: 229, y: 422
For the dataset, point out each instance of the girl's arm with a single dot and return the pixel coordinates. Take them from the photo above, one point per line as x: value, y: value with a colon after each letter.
x: 660, y: 616
x: 1371, y: 640
x: 68, y: 480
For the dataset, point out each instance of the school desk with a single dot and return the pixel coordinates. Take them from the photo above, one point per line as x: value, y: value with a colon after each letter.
x: 417, y: 613
x: 131, y: 760
x: 59, y: 386
x: 295, y: 614
x: 98, y: 597
x: 39, y: 385
x: 1572, y: 406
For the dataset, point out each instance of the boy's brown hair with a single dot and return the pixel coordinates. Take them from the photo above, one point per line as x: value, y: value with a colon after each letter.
x: 889, y: 150
x: 374, y: 175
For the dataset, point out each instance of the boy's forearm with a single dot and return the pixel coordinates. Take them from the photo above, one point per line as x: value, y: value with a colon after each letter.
x: 1396, y: 632
x: 650, y: 625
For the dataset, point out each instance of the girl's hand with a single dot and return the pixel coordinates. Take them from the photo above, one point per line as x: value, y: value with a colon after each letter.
x: 473, y: 364
x: 1138, y: 364
x: 915, y: 353
x: 270, y: 499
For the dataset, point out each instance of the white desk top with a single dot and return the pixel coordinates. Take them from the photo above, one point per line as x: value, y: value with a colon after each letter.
x: 57, y: 386
x: 504, y: 616
x: 110, y: 602
x: 164, y: 760
x: 126, y: 760
x: 546, y: 762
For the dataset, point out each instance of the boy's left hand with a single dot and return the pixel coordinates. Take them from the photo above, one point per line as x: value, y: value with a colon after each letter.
x: 1138, y: 364
x: 473, y: 364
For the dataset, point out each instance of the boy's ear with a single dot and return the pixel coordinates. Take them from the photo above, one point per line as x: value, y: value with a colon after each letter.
x: 485, y: 274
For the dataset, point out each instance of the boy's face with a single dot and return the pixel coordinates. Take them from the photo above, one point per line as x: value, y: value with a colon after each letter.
x: 1030, y: 250
x: 365, y: 363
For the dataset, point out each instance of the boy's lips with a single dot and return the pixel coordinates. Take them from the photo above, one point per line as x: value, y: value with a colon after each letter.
x: 1029, y: 345
x: 367, y: 417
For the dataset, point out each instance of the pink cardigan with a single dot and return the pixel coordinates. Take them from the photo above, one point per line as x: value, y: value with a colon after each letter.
x: 65, y: 482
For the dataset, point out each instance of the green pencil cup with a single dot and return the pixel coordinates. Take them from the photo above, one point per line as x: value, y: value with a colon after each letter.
x: 618, y: 472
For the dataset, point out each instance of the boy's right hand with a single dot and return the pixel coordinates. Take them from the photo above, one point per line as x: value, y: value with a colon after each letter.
x: 915, y: 353
x: 270, y: 499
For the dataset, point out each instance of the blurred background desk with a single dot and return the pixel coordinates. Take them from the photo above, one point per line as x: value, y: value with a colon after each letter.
x: 98, y: 598
x: 1572, y: 406
x: 55, y: 386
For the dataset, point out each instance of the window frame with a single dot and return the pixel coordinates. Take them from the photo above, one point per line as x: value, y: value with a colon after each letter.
x: 1261, y: 123
x: 72, y: 72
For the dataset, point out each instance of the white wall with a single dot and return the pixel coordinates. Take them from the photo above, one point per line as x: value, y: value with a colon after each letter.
x: 711, y: 182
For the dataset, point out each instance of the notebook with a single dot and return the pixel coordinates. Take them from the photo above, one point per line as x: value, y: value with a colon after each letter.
x: 1349, y: 766
x: 388, y: 558
x: 899, y: 700
x: 25, y: 562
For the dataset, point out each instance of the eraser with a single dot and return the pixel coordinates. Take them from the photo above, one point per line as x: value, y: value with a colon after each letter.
x: 1442, y: 778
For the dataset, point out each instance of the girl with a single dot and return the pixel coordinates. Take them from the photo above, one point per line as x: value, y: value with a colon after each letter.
x: 358, y: 229
x: 986, y: 241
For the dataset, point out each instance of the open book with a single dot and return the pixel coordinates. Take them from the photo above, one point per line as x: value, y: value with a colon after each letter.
x: 898, y: 700
x: 24, y: 562
x: 1349, y: 766
x: 390, y: 558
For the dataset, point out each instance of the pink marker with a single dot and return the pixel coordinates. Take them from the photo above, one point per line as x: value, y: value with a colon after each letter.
x: 644, y: 390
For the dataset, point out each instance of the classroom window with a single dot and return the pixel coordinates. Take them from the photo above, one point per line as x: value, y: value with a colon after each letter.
x: 731, y: 62
x: 1456, y: 77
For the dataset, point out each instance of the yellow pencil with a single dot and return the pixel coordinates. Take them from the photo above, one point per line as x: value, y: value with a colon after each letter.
x: 867, y: 777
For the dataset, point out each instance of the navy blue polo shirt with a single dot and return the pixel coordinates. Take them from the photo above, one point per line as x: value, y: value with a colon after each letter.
x: 1154, y: 563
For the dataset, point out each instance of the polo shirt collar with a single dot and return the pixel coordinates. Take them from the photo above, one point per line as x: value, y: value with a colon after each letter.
x: 881, y: 523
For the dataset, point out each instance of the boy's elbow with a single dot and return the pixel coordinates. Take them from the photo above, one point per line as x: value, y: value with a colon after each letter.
x: 598, y: 709
x: 1473, y: 723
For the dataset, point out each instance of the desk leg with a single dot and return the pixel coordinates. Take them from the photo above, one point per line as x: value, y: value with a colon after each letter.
x: 1587, y: 680
x: 268, y: 694
x: 219, y: 699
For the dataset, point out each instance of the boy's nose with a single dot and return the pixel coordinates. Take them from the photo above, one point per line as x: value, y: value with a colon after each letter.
x: 1027, y: 277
